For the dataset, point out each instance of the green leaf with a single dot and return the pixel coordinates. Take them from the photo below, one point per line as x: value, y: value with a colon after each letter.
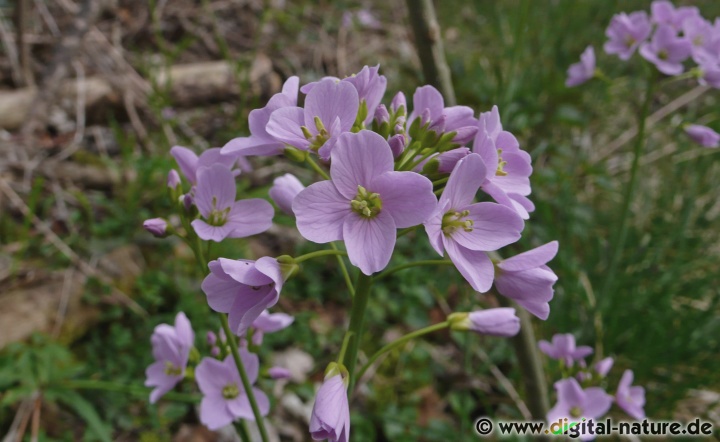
x: 85, y: 410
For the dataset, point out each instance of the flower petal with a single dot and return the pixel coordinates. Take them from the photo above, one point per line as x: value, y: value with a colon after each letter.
x: 215, y: 189
x: 532, y: 258
x: 357, y: 159
x: 250, y: 217
x: 494, y: 226
x: 476, y: 267
x: 187, y: 160
x: 407, y: 196
x: 369, y: 241
x: 320, y: 211
x: 464, y: 182
x: 330, y: 99
x: 284, y: 126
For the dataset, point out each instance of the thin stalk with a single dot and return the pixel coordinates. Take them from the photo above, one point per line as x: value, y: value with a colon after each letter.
x: 400, y: 341
x: 404, y: 232
x: 316, y: 167
x: 242, y: 430
x: 622, y: 230
x: 429, y: 262
x: 440, y: 181
x: 312, y: 255
x: 357, y: 318
x: 124, y: 388
x: 344, y: 270
x: 244, y: 377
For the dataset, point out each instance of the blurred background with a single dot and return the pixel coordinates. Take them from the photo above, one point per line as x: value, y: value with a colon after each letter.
x: 94, y: 93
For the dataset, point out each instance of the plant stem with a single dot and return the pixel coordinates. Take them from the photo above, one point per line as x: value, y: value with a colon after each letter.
x: 242, y: 430
x: 316, y: 167
x: 429, y: 262
x: 123, y: 388
x: 244, y: 377
x: 400, y: 341
x: 312, y: 255
x: 344, y: 270
x: 629, y: 192
x: 404, y: 232
x: 357, y: 318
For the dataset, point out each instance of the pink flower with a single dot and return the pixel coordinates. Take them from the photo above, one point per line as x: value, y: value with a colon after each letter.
x: 629, y: 398
x: 171, y: 349
x: 364, y: 202
x: 703, y: 135
x: 563, y: 348
x: 582, y: 71
x: 284, y: 190
x: 575, y: 403
x: 269, y: 323
x: 331, y: 414
x: 493, y: 322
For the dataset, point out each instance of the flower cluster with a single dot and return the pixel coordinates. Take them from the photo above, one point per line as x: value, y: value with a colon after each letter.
x: 581, y: 392
x: 384, y: 171
x: 671, y: 39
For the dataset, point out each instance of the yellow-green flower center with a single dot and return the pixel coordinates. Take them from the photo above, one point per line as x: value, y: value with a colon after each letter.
x: 501, y: 164
x: 316, y: 141
x: 662, y: 54
x: 575, y: 411
x: 172, y: 369
x: 230, y: 391
x: 454, y: 220
x: 217, y: 217
x: 366, y: 204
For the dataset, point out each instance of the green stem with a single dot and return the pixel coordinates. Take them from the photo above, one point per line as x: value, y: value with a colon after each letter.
x: 400, y: 341
x: 343, y: 349
x: 316, y: 167
x: 629, y: 191
x: 423, y: 157
x: 242, y: 430
x: 429, y: 262
x: 357, y: 318
x: 409, y: 153
x: 124, y: 388
x: 244, y: 377
x: 441, y: 181
x: 404, y: 232
x: 312, y: 255
x: 344, y: 270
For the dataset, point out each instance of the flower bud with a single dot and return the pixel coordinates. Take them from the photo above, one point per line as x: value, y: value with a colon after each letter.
x: 330, y: 417
x: 211, y: 338
x: 397, y: 144
x: 284, y: 190
x: 173, y: 180
x: 493, y: 322
x: 187, y: 201
x: 381, y: 114
x: 703, y: 135
x: 603, y: 367
x: 279, y: 373
x: 157, y: 226
x: 399, y: 101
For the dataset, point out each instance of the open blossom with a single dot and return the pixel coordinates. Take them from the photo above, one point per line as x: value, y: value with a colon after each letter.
x: 563, y: 348
x: 507, y: 167
x: 703, y: 135
x: 582, y: 71
x: 699, y: 33
x: 663, y: 12
x: 666, y: 50
x: 630, y: 398
x: 429, y: 106
x: 171, y: 350
x: 190, y: 163
x: 364, y: 202
x: 224, y: 398
x: 528, y: 280
x: 626, y: 32
x: 330, y: 110
x: 330, y: 417
x: 574, y: 403
x: 260, y: 142
x: 466, y: 230
x: 284, y: 190
x: 222, y: 216
x: 243, y: 289
x: 269, y: 323
x: 494, y: 321
x: 710, y: 73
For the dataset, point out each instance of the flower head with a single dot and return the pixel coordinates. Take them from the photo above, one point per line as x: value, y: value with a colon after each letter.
x: 190, y: 163
x: 284, y: 190
x: 664, y: 13
x: 528, y: 280
x: 243, y: 289
x: 269, y: 323
x: 331, y: 414
x: 171, y: 350
x: 364, y: 202
x: 466, y: 230
x: 222, y: 216
x: 563, y: 348
x: 573, y: 403
x: 582, y: 71
x: 666, y: 50
x: 626, y: 32
x: 630, y: 399
x: 429, y: 107
x: 260, y: 142
x: 494, y: 322
x: 224, y: 398
x: 703, y: 135
x: 330, y: 110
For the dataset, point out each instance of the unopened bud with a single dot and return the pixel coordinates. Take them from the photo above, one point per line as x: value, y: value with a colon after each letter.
x: 157, y: 226
x: 173, y: 180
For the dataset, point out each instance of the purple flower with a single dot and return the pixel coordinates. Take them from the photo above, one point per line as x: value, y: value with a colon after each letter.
x: 574, y: 403
x: 563, y: 348
x: 173, y: 180
x: 365, y: 202
x: 284, y: 190
x: 171, y: 350
x: 664, y: 13
x: 260, y: 142
x: 156, y: 226
x: 190, y: 163
x: 626, y: 32
x: 703, y: 135
x: 269, y: 323
x: 398, y: 101
x: 508, y: 168
x: 710, y: 74
x: 279, y: 373
x: 429, y: 106
x: 666, y: 50
x: 494, y: 322
x: 444, y: 162
x: 603, y: 367
x: 583, y: 71
x: 699, y: 33
x: 466, y: 230
x: 211, y: 338
x: 243, y: 289
x: 224, y: 398
x: 331, y: 414
x: 330, y: 109
x: 223, y: 217
x: 528, y: 280
x: 630, y: 399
